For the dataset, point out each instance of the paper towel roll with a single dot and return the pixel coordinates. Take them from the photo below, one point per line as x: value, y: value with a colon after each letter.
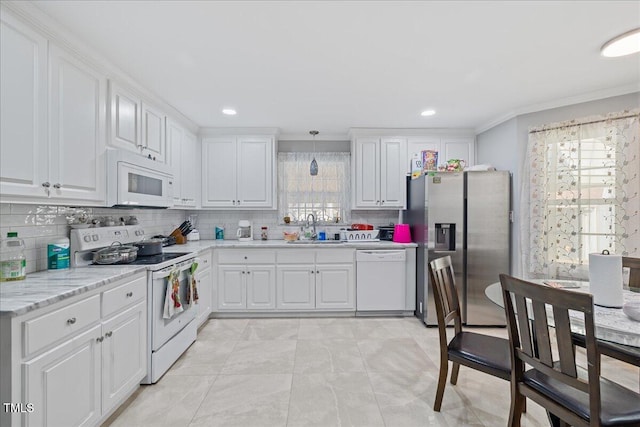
x: 605, y: 279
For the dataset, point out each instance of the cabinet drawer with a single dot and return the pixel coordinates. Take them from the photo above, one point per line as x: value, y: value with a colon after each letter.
x: 44, y: 330
x: 234, y: 256
x: 123, y: 296
x: 335, y: 256
x: 296, y: 256
x: 205, y: 261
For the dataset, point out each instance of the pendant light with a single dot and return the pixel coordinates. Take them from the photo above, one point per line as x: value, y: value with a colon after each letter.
x: 314, y: 165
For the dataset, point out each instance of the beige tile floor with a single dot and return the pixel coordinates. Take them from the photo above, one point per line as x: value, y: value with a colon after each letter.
x: 324, y: 372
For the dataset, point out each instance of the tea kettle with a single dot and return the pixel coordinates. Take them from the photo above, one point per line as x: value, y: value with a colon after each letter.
x: 245, y: 231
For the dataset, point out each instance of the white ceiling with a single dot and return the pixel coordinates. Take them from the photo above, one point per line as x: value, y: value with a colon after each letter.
x: 333, y: 65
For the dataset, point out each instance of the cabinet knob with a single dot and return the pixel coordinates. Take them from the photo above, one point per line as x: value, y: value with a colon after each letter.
x: 108, y: 334
x: 100, y: 339
x: 243, y: 272
x: 238, y: 201
x: 245, y: 257
x: 129, y: 294
x: 57, y: 185
x: 248, y: 272
x: 46, y: 184
x: 382, y: 203
x: 317, y: 271
x: 312, y: 272
x: 71, y: 321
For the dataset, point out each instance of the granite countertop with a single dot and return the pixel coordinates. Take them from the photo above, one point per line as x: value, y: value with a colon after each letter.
x: 44, y: 288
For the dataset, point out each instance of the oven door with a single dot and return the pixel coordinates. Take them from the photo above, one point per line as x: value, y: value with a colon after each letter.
x: 162, y: 330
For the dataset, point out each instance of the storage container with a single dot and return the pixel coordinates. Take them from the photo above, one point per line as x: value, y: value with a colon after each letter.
x: 13, y: 263
x: 58, y: 254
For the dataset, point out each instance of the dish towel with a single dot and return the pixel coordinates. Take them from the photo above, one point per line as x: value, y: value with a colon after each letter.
x: 172, y: 304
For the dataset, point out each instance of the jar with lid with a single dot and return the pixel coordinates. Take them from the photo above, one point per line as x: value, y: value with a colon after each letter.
x: 13, y: 263
x: 263, y: 233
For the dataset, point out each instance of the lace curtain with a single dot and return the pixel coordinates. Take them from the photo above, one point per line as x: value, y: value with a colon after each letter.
x: 580, y: 194
x: 325, y: 195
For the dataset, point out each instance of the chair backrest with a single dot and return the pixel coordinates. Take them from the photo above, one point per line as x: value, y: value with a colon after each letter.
x: 527, y: 306
x: 634, y: 271
x: 445, y: 294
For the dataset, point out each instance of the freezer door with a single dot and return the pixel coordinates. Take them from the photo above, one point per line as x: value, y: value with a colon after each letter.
x: 445, y: 204
x: 488, y: 199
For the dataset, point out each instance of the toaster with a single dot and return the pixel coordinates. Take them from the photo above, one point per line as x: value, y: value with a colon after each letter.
x: 386, y: 232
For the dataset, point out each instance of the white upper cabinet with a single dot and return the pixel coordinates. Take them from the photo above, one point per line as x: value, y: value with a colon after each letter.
x: 448, y: 147
x: 378, y: 172
x: 182, y: 148
x: 77, y: 128
x: 40, y: 84
x: 238, y: 172
x: 135, y: 125
x: 24, y: 156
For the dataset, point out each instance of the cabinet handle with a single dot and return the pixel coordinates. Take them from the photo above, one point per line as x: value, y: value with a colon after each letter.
x: 312, y: 272
x: 317, y: 271
x: 71, y: 321
x: 46, y: 184
x: 243, y: 272
x: 382, y: 202
x: 129, y: 294
x: 233, y: 201
x: 248, y: 272
x: 238, y: 201
x: 100, y: 339
x: 108, y: 334
x: 245, y: 257
x: 57, y: 185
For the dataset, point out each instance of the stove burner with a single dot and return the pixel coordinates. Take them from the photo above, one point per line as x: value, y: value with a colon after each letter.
x: 155, y: 259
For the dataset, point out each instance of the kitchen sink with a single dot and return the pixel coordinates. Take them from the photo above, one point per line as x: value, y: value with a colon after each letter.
x: 312, y: 242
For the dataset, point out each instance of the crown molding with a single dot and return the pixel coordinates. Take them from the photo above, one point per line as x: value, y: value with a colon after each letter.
x: 562, y: 102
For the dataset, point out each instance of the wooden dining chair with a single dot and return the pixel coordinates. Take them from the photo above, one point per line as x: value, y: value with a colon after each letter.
x: 484, y: 353
x: 634, y: 271
x: 576, y: 396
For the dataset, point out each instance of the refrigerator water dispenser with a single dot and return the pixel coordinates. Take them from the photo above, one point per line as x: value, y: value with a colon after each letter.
x: 445, y: 237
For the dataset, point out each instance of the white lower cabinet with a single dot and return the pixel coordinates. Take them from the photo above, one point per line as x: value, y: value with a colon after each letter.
x: 63, y: 384
x: 204, y: 279
x: 77, y: 360
x: 246, y: 280
x: 311, y: 279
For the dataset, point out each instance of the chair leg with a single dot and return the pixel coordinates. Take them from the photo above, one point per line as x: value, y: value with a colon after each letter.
x: 454, y: 373
x: 442, y: 381
x: 515, y: 410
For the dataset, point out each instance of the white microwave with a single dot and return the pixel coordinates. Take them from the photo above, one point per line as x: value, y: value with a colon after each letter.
x: 134, y: 181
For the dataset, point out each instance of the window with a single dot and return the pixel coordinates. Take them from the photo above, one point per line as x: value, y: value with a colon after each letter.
x: 583, y: 193
x: 325, y: 195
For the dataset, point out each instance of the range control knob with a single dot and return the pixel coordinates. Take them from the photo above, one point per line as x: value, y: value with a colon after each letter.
x: 95, y: 237
x: 87, y: 238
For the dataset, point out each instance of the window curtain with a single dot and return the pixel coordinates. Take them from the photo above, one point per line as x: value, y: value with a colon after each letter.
x: 580, y: 194
x: 326, y: 195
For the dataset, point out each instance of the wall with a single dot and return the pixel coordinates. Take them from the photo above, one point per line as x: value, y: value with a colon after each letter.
x: 505, y: 146
x: 37, y: 225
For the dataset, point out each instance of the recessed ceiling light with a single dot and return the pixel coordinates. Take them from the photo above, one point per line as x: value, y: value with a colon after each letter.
x: 229, y: 111
x: 427, y: 113
x: 624, y: 44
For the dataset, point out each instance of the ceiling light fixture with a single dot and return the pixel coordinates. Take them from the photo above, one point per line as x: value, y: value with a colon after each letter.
x: 624, y: 44
x: 313, y: 169
x: 427, y: 113
x: 229, y: 111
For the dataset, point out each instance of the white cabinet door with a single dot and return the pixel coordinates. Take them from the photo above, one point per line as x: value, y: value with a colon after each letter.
x: 367, y: 172
x: 296, y: 287
x: 126, y: 116
x: 63, y: 384
x: 153, y: 141
x: 124, y: 354
x: 393, y: 152
x: 205, y: 289
x: 335, y: 286
x: 261, y: 287
x: 77, y: 120
x: 417, y: 144
x: 219, y: 172
x: 189, y: 171
x: 232, y: 292
x: 458, y: 148
x: 175, y: 143
x: 24, y: 157
x: 255, y: 172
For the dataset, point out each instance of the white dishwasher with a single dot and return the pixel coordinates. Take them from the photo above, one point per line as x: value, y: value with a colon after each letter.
x: 380, y: 280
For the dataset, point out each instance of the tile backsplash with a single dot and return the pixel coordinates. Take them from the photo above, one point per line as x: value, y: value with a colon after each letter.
x: 37, y: 225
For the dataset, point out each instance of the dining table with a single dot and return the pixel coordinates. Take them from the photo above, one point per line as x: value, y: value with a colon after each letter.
x: 618, y: 335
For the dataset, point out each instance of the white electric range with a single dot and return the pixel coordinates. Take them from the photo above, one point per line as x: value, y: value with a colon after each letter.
x: 167, y: 338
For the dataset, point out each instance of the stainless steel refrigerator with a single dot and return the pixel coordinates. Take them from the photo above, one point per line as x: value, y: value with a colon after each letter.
x: 466, y: 215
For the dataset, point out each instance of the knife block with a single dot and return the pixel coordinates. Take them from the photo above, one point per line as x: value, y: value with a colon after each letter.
x: 180, y: 239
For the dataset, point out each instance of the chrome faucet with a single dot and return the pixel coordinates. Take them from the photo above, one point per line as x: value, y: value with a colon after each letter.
x: 313, y: 217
